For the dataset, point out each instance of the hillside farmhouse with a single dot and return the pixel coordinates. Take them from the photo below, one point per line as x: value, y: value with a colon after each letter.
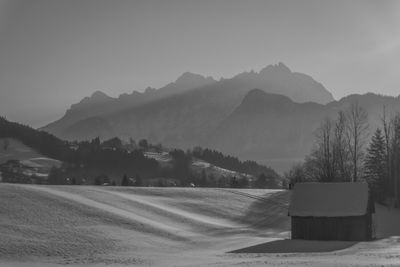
x: 332, y: 211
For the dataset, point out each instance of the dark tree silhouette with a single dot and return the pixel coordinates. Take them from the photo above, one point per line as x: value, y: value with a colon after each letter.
x: 375, y: 165
x: 125, y: 181
x: 6, y: 144
x: 228, y: 162
x: 261, y: 181
x: 143, y: 144
x: 138, y: 180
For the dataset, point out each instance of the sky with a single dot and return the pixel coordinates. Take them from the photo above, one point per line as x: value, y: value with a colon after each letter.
x: 53, y: 53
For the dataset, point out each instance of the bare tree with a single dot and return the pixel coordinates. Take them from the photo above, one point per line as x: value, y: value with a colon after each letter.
x: 295, y: 175
x: 340, y: 148
x: 324, y: 150
x: 356, y: 133
x: 329, y: 160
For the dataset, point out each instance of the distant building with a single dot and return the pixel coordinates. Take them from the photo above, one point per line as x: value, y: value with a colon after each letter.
x: 332, y: 211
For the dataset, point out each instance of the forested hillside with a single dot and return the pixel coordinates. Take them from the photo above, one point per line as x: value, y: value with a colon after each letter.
x: 117, y: 163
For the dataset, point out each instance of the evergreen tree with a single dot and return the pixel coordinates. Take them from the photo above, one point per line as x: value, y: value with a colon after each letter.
x: 203, y: 179
x: 181, y: 165
x: 271, y: 182
x: 160, y: 182
x: 98, y: 180
x: 234, y: 182
x: 138, y: 181
x: 115, y: 143
x: 6, y: 144
x: 144, y: 145
x: 125, y: 180
x: 55, y: 176
x: 243, y: 183
x: 375, y: 165
x: 261, y: 181
x: 232, y: 163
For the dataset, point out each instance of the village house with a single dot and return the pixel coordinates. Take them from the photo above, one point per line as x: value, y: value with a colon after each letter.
x: 332, y: 211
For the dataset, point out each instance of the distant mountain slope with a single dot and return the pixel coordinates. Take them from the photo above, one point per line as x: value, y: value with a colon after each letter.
x: 38, y: 149
x: 227, y: 93
x: 91, y: 127
x: 268, y: 126
x: 99, y: 103
x: 229, y: 116
x: 372, y: 103
x: 279, y: 79
x: 260, y: 126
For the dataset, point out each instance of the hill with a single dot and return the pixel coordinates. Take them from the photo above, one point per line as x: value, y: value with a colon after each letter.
x: 112, y: 161
x: 227, y: 115
x: 86, y: 161
x: 219, y: 96
x: 185, y: 113
x: 99, y: 103
x: 16, y: 150
x: 98, y: 226
x: 11, y: 148
x: 269, y: 126
x: 39, y: 141
x: 256, y: 125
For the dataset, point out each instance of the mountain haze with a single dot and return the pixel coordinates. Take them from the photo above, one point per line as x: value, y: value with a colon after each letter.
x: 268, y: 125
x: 99, y: 103
x: 277, y: 131
x: 274, y: 124
x: 279, y: 79
x: 274, y: 78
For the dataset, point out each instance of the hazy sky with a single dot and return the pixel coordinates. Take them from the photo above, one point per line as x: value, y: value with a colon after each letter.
x: 53, y: 53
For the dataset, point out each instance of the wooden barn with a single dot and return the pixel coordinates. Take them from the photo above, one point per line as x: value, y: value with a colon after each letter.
x: 332, y: 211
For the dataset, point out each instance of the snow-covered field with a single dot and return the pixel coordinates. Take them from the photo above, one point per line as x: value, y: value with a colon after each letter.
x: 108, y: 226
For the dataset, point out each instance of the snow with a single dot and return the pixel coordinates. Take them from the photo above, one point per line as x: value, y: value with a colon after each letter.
x: 387, y: 221
x: 201, y: 164
x: 127, y: 226
x: 217, y: 171
x: 329, y: 199
x: 162, y: 156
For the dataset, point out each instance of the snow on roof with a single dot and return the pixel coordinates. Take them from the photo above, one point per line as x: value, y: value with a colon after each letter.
x: 329, y: 199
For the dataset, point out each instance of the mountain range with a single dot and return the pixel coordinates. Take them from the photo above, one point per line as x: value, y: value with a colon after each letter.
x: 269, y: 116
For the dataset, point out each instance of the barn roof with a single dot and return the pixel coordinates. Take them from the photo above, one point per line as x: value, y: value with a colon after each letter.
x: 329, y: 199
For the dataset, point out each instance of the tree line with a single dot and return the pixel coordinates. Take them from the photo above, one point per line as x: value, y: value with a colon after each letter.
x: 82, y: 161
x: 233, y: 163
x: 249, y: 173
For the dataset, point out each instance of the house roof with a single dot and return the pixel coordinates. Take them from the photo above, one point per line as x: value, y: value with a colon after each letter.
x: 329, y: 199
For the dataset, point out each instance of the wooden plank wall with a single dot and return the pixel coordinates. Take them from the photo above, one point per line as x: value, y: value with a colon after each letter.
x: 354, y: 228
